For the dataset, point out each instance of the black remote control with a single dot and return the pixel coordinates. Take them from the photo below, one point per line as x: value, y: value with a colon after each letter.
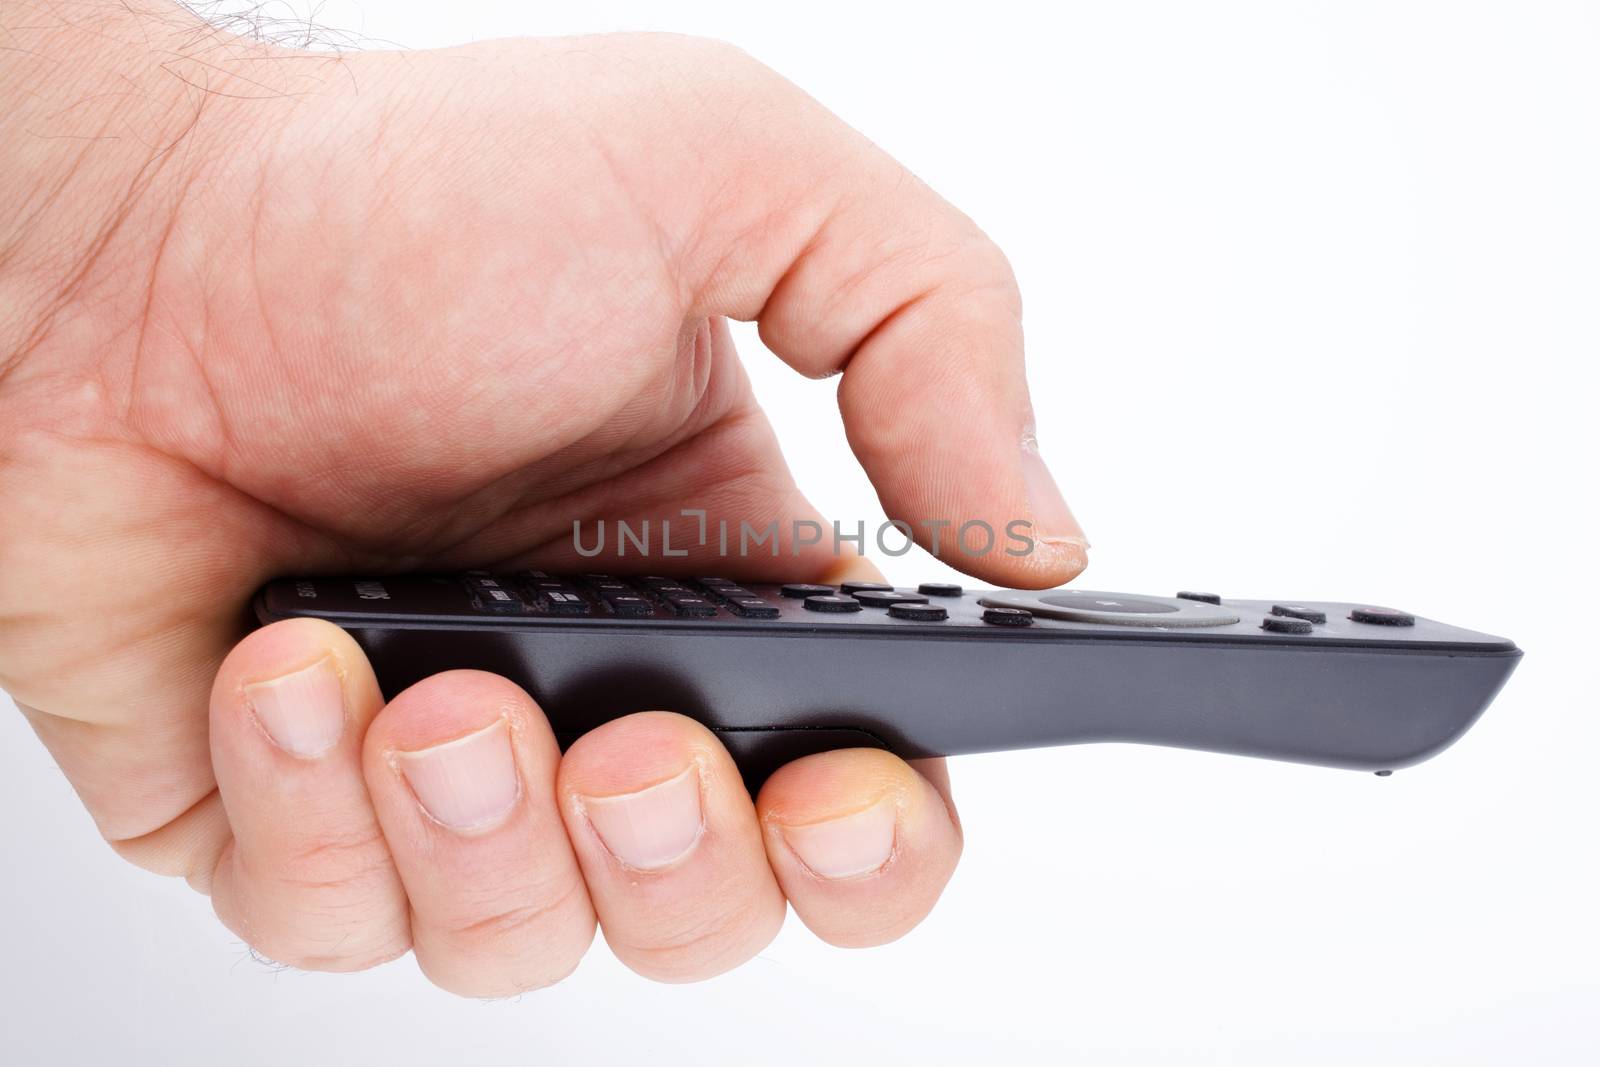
x: 781, y: 671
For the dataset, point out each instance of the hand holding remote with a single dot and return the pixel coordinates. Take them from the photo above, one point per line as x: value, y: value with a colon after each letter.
x: 269, y: 312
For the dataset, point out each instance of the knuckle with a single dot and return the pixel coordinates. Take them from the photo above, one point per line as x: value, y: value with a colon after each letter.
x: 354, y: 937
x: 334, y: 861
x: 519, y: 921
x: 693, y: 947
x: 327, y: 904
x: 511, y: 950
x: 698, y: 51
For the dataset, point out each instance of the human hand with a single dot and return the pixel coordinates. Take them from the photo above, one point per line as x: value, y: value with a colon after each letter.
x: 266, y: 312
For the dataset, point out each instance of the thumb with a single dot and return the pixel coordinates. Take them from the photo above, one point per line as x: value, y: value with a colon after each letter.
x: 850, y: 264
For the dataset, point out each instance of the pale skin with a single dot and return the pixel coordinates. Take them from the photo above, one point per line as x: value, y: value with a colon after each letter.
x: 266, y: 312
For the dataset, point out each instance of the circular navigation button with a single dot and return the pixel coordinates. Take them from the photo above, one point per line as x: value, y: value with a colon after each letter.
x: 861, y: 587
x: 919, y: 612
x: 1285, y: 624
x: 800, y: 589
x: 879, y: 598
x: 1382, y: 617
x: 1008, y: 616
x: 1300, y: 611
x: 1204, y: 598
x: 1112, y: 609
x: 1113, y: 603
x: 832, y: 603
x: 939, y: 589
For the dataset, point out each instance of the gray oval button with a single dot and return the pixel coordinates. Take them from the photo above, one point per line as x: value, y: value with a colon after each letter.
x: 1111, y: 609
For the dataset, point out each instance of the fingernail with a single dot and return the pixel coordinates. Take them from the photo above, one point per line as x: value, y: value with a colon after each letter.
x: 467, y: 784
x: 1053, y: 522
x: 653, y: 828
x: 849, y: 846
x: 302, y: 712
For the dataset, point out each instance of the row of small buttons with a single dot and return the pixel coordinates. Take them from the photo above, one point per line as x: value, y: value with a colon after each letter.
x: 800, y: 590
x: 854, y: 596
x: 1297, y: 619
x: 551, y: 595
x: 561, y: 596
x: 739, y: 600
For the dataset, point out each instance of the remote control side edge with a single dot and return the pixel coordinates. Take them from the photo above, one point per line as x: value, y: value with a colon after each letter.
x: 1361, y: 709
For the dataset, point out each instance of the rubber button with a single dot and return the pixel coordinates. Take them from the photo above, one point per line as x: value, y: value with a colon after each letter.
x: 1108, y: 604
x: 918, y: 612
x: 828, y: 602
x: 880, y: 598
x: 1285, y: 624
x: 1296, y: 611
x: 1382, y: 617
x: 862, y: 587
x: 752, y: 608
x: 551, y: 585
x: 1110, y: 609
x: 499, y: 602
x: 693, y: 606
x: 1007, y: 617
x: 939, y: 589
x: 630, y: 605
x: 799, y: 590
x: 557, y: 602
x: 669, y: 587
x: 1204, y: 598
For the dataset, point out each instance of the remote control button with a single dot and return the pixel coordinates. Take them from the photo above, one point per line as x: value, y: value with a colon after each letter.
x: 557, y: 602
x: 716, y: 583
x: 1286, y: 624
x: 919, y: 612
x: 732, y: 592
x: 1112, y: 609
x: 551, y: 584
x: 939, y: 589
x: 1108, y: 603
x: 656, y: 583
x: 499, y: 602
x: 1204, y: 598
x: 753, y: 608
x: 630, y: 605
x: 800, y: 590
x: 1297, y: 611
x: 829, y: 602
x: 882, y: 598
x: 862, y: 587
x: 1382, y: 617
x: 490, y: 593
x: 1008, y: 617
x: 697, y: 607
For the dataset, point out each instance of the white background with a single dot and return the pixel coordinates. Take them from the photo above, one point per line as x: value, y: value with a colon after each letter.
x: 1312, y: 310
